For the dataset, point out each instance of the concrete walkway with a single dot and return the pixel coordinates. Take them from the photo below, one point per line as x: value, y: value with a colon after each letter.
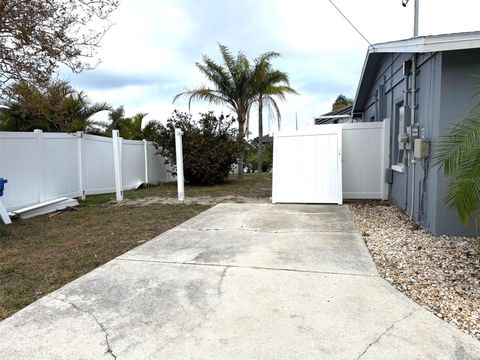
x: 239, y: 281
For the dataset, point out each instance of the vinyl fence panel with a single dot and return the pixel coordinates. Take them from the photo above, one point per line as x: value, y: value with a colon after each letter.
x: 365, y: 158
x: 133, y: 158
x: 44, y: 166
x: 18, y: 164
x: 98, y: 172
x: 307, y: 166
x: 59, y: 171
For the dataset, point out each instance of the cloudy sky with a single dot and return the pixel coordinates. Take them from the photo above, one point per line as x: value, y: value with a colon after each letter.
x: 149, y: 55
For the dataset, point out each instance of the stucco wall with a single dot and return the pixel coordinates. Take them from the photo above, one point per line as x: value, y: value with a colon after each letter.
x: 445, y: 89
x: 458, y: 97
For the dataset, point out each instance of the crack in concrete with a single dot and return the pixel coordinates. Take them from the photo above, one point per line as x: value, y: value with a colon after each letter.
x: 346, y: 231
x: 222, y: 276
x: 379, y: 338
x: 102, y: 327
x: 246, y: 267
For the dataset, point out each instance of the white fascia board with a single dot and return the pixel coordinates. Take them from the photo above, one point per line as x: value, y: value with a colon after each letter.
x: 427, y: 44
x: 354, y: 105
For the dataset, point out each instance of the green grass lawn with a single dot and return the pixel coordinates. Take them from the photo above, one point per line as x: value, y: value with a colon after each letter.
x: 41, y: 254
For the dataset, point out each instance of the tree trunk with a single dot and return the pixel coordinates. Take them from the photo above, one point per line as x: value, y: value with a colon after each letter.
x: 260, y: 134
x: 240, y: 139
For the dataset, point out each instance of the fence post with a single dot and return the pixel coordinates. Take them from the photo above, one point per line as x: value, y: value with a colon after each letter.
x: 179, y: 157
x: 145, y: 154
x: 385, y: 157
x: 40, y: 158
x: 117, y: 165
x: 80, y: 163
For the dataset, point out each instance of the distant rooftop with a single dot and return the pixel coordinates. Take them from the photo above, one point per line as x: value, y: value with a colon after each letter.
x: 324, y: 119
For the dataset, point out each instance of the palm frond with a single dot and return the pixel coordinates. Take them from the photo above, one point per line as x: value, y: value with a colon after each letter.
x: 458, y: 153
x: 453, y: 148
x: 205, y: 94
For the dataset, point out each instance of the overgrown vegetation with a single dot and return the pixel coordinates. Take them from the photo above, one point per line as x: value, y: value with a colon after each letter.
x: 210, y: 146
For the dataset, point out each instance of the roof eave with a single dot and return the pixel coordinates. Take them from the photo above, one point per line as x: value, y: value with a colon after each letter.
x: 354, y: 107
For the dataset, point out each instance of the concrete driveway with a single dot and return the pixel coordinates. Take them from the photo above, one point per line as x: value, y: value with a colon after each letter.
x: 239, y: 281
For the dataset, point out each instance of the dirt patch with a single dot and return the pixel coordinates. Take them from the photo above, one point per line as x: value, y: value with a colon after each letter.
x: 195, y: 200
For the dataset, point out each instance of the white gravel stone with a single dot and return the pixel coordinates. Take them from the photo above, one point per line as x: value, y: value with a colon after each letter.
x: 440, y: 273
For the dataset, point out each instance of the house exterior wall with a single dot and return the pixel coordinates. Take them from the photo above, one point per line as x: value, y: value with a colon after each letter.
x: 458, y: 97
x: 444, y: 95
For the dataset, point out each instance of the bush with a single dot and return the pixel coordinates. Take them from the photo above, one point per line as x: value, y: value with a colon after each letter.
x: 251, y: 151
x: 210, y: 147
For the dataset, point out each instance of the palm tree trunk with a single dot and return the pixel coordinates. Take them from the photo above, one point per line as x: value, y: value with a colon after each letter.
x: 260, y: 134
x: 240, y: 139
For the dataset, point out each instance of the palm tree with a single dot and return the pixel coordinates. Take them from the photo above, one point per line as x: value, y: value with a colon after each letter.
x: 458, y: 153
x: 269, y: 83
x: 55, y: 106
x: 232, y: 85
x: 117, y: 120
x: 77, y: 113
x: 132, y: 127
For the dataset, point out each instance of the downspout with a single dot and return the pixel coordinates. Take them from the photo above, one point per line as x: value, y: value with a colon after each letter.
x: 413, y: 124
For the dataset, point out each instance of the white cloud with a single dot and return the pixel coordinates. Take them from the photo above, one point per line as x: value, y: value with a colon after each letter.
x: 149, y: 55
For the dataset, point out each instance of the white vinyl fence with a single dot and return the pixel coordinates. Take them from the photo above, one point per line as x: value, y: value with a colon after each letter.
x: 366, y: 149
x: 328, y: 163
x: 307, y: 166
x: 43, y: 166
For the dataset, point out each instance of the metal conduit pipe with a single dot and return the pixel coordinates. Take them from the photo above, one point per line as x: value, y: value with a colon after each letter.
x: 405, y: 103
x: 414, y: 123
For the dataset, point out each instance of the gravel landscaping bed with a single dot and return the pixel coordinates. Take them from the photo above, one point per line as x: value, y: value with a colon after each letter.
x: 440, y: 273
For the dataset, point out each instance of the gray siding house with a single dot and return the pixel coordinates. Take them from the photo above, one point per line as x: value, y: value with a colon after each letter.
x: 433, y: 76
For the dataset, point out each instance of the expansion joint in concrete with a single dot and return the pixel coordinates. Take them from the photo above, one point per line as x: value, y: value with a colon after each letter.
x: 247, y: 267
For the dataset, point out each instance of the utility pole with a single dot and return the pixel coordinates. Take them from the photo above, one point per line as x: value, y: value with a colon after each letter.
x: 415, y: 16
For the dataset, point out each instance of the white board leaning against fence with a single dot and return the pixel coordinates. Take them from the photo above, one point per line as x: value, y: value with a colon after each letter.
x: 44, y: 166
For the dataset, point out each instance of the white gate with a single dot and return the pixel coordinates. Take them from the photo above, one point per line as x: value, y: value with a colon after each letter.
x: 311, y: 166
x: 307, y: 166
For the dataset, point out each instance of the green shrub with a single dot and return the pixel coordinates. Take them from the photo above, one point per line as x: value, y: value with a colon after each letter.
x: 251, y: 159
x: 210, y: 147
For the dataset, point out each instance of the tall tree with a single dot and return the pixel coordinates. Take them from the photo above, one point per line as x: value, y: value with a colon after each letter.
x: 38, y: 35
x: 341, y: 101
x: 232, y: 84
x: 270, y: 84
x: 53, y: 107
